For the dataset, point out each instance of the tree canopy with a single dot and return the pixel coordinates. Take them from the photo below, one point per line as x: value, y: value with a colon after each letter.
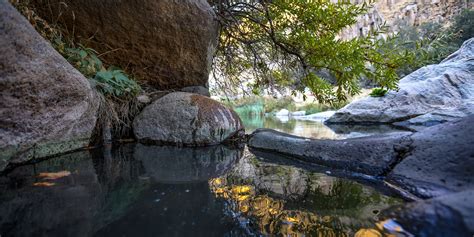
x: 290, y: 43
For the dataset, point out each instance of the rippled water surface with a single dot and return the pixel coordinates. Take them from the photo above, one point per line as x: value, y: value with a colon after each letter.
x: 137, y: 190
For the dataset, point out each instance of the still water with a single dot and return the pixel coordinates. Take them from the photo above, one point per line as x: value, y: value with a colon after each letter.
x: 314, y: 128
x: 138, y: 190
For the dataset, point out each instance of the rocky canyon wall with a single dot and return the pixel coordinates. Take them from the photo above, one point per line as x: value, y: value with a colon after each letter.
x: 407, y: 12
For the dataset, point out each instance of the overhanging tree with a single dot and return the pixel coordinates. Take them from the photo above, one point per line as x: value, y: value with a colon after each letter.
x: 287, y: 43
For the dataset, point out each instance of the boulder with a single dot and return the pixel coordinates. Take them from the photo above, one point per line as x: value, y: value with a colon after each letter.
x: 46, y: 106
x: 166, y: 44
x: 441, y: 162
x: 197, y: 90
x: 187, y: 119
x: 283, y: 112
x: 371, y: 155
x: 449, y: 215
x: 436, y: 161
x: 298, y: 113
x: 319, y: 117
x: 432, y: 94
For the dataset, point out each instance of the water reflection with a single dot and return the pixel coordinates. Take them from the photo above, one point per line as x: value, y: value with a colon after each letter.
x: 137, y: 190
x: 314, y: 129
x: 167, y: 164
x: 280, y: 200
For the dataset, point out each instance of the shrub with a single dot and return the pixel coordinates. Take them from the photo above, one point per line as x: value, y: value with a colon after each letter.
x: 430, y: 43
x: 378, y: 92
x: 274, y: 105
x: 463, y: 26
x: 114, y: 82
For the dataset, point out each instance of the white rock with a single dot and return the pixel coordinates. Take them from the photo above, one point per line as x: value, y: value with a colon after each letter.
x: 298, y: 113
x: 437, y: 89
x: 283, y: 112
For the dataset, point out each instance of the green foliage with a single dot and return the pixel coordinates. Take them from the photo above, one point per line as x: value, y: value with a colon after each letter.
x: 111, y: 82
x: 84, y: 59
x: 274, y: 105
x: 114, y: 82
x: 429, y: 43
x: 463, y: 26
x: 378, y: 92
x: 285, y: 42
x: 312, y: 108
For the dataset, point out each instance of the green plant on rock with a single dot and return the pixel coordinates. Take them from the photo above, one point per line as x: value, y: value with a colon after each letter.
x: 115, y: 82
x: 84, y: 59
x: 378, y: 92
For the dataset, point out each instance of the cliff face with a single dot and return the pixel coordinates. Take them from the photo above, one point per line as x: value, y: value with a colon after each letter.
x: 409, y: 12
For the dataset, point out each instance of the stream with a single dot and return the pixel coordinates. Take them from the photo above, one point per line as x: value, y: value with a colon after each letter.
x: 139, y: 190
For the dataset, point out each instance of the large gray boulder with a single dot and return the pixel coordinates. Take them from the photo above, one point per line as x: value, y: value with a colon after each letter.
x: 368, y: 155
x: 182, y: 118
x: 167, y: 44
x: 449, y: 215
x: 441, y: 160
x: 430, y: 95
x: 46, y: 106
x: 436, y: 161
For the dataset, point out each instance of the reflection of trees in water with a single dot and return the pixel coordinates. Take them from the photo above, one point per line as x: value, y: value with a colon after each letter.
x: 282, y: 200
x: 303, y: 128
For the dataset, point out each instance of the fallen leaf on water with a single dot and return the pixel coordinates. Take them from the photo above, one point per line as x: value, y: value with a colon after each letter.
x: 43, y: 184
x: 55, y: 175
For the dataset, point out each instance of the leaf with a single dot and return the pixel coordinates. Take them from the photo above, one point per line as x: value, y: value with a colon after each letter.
x: 82, y: 54
x: 106, y: 75
x: 54, y: 175
x: 121, y: 77
x: 43, y: 184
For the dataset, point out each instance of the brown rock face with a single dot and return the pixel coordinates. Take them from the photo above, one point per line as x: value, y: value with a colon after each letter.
x: 167, y: 44
x: 46, y: 106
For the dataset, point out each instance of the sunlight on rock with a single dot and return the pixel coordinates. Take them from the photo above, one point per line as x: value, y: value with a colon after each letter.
x: 54, y: 175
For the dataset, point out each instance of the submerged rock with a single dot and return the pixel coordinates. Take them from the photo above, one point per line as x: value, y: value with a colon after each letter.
x: 47, y: 106
x: 166, y: 44
x: 449, y: 215
x: 187, y: 119
x: 432, y: 95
